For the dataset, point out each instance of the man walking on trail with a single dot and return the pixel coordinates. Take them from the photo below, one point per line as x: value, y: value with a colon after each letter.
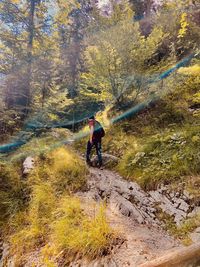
x: 96, y: 134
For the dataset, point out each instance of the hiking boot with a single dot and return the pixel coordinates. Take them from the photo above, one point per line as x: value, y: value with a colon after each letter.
x: 89, y: 163
x: 101, y: 167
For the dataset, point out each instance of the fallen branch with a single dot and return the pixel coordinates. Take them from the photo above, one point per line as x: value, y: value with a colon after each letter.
x: 184, y: 257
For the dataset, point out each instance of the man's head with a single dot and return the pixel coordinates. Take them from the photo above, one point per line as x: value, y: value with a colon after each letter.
x: 91, y: 121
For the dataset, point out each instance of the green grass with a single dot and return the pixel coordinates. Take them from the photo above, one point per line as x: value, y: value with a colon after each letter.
x: 12, y: 190
x: 163, y: 158
x: 43, y: 144
x: 182, y: 231
x: 160, y: 145
x: 62, y: 168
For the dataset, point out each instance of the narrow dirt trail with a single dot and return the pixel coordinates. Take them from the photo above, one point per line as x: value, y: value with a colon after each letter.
x: 143, y: 234
x: 142, y: 242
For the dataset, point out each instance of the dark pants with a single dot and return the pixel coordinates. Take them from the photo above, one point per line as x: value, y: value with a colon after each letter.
x: 97, y: 145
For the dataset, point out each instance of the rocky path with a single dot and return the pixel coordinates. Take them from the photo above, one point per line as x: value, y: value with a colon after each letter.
x: 128, y: 198
x: 131, y: 212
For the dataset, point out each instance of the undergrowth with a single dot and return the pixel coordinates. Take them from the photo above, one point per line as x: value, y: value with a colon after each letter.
x: 44, y: 143
x: 12, y: 190
x: 164, y: 157
x: 60, y: 227
x: 41, y: 212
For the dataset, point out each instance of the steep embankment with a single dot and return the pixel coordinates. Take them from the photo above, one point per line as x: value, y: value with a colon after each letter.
x: 160, y: 146
x: 130, y: 211
x: 134, y: 214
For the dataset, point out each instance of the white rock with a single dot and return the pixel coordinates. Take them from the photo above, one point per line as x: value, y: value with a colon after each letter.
x: 195, y: 235
x: 107, y: 159
x: 184, y: 206
x: 117, y: 202
x: 28, y: 165
x: 195, y: 212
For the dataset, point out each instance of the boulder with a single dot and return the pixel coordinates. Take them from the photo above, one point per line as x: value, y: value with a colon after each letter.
x: 195, y: 235
x: 119, y: 203
x: 132, y: 201
x: 28, y: 165
x: 195, y: 212
x: 171, y: 204
x: 108, y: 160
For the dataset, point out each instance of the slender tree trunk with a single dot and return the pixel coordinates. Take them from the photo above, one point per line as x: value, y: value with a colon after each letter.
x: 74, y: 58
x: 30, y: 54
x: 43, y: 94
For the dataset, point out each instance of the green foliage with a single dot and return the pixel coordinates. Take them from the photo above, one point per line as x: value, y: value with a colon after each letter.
x: 187, y: 227
x: 44, y: 64
x: 60, y: 170
x: 47, y: 141
x: 9, y: 122
x: 184, y: 25
x: 164, y: 157
x: 180, y: 25
x: 121, y: 143
x: 182, y: 231
x: 161, y: 144
x: 192, y: 184
x: 117, y: 66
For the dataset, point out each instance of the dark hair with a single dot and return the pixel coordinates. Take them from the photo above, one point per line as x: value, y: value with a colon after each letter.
x: 91, y: 118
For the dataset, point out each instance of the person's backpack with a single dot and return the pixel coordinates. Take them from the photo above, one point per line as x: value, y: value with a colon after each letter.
x: 98, y: 130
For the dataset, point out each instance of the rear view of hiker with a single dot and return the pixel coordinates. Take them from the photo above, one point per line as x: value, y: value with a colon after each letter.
x: 96, y: 134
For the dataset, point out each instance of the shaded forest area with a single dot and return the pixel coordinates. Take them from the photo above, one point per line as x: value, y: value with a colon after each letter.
x: 62, y: 61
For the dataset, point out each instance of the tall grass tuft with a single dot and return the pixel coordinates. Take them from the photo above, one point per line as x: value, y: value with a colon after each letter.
x: 76, y: 233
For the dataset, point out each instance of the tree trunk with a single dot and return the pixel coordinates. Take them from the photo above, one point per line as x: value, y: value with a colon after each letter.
x: 189, y: 256
x: 29, y: 55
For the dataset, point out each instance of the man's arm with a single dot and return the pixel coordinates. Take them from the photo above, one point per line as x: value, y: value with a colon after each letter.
x: 91, y: 133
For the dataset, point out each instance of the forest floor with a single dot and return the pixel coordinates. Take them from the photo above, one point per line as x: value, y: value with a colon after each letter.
x: 144, y: 237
